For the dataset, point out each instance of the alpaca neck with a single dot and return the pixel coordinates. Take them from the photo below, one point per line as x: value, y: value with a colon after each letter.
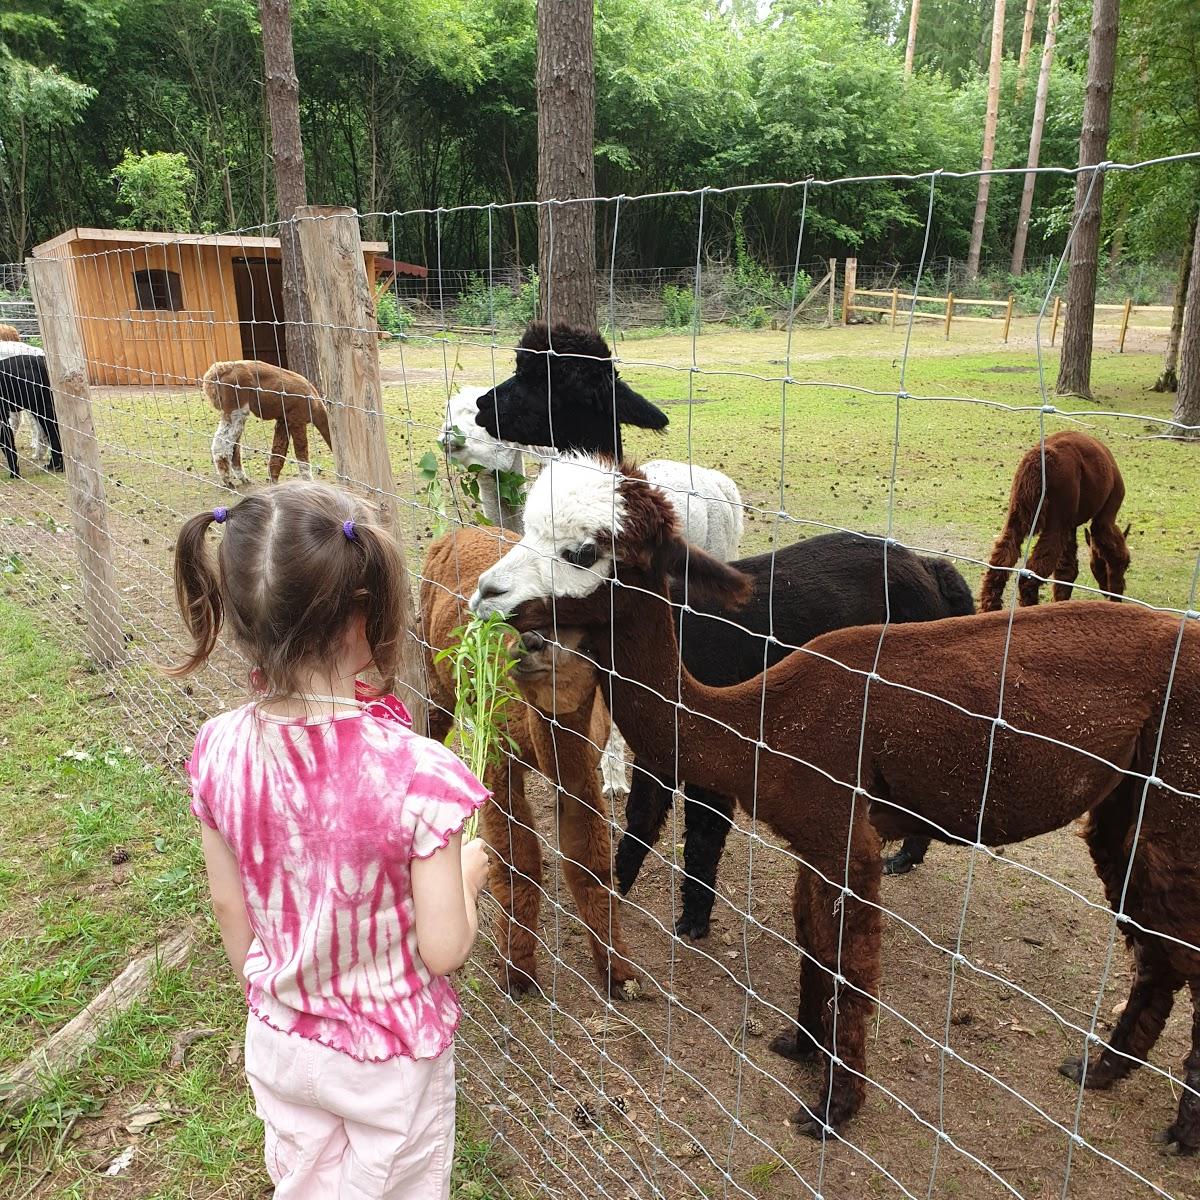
x: 644, y: 654
x: 498, y: 511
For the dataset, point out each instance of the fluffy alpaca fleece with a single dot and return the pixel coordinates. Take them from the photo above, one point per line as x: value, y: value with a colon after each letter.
x: 925, y: 756
x: 25, y: 387
x: 246, y: 386
x: 800, y: 591
x: 480, y: 449
x: 557, y: 732
x: 1083, y: 483
x: 9, y: 333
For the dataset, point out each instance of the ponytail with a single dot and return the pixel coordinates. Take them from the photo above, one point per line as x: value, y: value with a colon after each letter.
x: 197, y: 592
x: 382, y: 573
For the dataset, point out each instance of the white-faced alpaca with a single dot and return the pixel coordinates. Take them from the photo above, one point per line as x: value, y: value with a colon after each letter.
x: 245, y: 386
x: 468, y: 445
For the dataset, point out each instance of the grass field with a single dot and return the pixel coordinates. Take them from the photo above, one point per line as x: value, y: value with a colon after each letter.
x: 88, y: 764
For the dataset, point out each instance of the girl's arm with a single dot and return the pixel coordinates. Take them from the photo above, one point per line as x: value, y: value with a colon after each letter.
x: 229, y: 904
x: 446, y: 888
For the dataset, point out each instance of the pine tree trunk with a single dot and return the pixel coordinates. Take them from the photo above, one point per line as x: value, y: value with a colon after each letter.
x: 989, y: 139
x: 1168, y: 381
x: 1026, y: 42
x: 566, y: 91
x: 1075, y: 366
x: 1035, y: 141
x: 287, y: 152
x: 1187, y: 399
x: 911, y: 48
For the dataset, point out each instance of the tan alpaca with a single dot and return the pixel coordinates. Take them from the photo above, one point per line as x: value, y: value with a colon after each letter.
x: 553, y: 681
x: 237, y: 389
x: 8, y: 333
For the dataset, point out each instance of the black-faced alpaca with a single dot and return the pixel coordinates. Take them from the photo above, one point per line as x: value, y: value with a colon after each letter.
x: 839, y: 773
x: 1083, y: 483
x: 799, y: 592
x: 25, y: 386
x: 561, y: 685
x: 245, y: 386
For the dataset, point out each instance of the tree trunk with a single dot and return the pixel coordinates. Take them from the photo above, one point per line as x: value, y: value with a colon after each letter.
x: 989, y: 139
x: 911, y: 48
x: 1035, y: 142
x: 1187, y: 399
x: 1026, y: 42
x: 1168, y: 381
x: 1075, y: 366
x: 566, y: 93
x: 287, y: 151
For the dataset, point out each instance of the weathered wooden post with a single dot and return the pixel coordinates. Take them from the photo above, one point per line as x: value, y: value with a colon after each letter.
x: 848, y: 284
x: 66, y: 363
x: 347, y: 345
x: 949, y: 312
x: 1008, y: 316
x: 1054, y: 321
x: 1125, y: 323
x: 832, y: 291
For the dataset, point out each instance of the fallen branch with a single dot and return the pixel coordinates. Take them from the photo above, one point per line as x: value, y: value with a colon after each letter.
x: 63, y: 1048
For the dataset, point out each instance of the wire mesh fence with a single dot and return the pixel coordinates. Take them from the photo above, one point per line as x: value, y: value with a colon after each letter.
x: 625, y: 1045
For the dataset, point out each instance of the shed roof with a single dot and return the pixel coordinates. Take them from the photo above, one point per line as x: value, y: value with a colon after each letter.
x: 142, y: 237
x: 393, y: 266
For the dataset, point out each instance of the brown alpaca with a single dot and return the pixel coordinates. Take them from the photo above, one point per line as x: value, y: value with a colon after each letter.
x: 237, y: 389
x: 924, y: 766
x: 1083, y: 484
x: 558, y: 683
x: 9, y: 334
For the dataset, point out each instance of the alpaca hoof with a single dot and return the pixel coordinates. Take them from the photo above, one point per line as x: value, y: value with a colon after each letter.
x: 520, y: 983
x: 692, y: 925
x: 1172, y: 1144
x: 898, y: 864
x: 794, y: 1045
x: 1097, y: 1081
x: 811, y: 1127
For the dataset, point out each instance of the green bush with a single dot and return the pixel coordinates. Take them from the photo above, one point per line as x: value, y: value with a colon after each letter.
x: 499, y: 306
x: 679, y: 304
x: 391, y: 316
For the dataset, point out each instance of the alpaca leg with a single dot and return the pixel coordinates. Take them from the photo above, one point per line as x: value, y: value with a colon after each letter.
x: 1110, y: 557
x: 911, y: 854
x: 612, y: 765
x: 1047, y: 552
x: 1005, y: 553
x: 1145, y: 1014
x: 300, y: 446
x: 6, y: 444
x: 39, y: 446
x: 708, y: 817
x: 1068, y: 567
x: 844, y: 934
x: 801, y: 1043
x: 279, y: 448
x: 223, y: 445
x: 515, y: 879
x: 645, y: 815
x: 1184, y: 1134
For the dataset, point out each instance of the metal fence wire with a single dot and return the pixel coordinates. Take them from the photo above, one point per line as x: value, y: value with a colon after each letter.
x: 998, y: 957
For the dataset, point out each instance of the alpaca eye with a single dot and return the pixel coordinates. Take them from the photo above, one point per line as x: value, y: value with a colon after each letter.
x: 584, y: 556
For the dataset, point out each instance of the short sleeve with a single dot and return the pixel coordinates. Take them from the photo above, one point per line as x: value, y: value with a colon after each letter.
x: 199, y: 805
x: 442, y: 794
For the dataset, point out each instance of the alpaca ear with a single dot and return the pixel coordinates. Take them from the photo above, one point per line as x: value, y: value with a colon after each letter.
x: 633, y: 409
x: 704, y: 578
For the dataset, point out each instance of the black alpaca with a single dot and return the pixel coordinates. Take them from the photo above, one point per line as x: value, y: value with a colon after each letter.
x: 563, y: 395
x: 834, y: 581
x: 24, y: 383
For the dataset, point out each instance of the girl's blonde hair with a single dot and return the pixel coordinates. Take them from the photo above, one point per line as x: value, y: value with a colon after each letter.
x: 296, y: 563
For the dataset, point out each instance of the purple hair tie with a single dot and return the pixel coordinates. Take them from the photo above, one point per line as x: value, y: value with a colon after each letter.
x: 219, y: 515
x: 348, y: 530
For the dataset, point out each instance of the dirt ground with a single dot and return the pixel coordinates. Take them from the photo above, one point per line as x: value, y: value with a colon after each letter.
x: 679, y: 1093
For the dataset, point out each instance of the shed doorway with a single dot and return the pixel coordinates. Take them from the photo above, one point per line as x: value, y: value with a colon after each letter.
x: 258, y: 292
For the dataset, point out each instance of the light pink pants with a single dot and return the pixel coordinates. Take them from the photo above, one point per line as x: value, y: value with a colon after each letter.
x: 338, y: 1129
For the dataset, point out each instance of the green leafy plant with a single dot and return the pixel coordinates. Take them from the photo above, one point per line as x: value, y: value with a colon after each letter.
x: 391, y: 316
x: 156, y: 188
x: 680, y: 306
x: 481, y: 661
x: 429, y: 470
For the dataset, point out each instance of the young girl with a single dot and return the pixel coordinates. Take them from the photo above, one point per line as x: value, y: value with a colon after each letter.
x: 332, y: 838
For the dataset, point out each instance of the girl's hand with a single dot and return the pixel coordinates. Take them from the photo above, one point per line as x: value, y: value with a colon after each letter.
x: 474, y: 866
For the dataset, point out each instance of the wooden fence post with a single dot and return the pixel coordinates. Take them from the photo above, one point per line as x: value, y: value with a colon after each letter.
x: 66, y: 364
x: 949, y: 312
x: 832, y: 291
x: 1008, y: 316
x: 1125, y: 324
x: 848, y: 282
x: 347, y: 346
x: 895, y: 301
x: 1054, y: 321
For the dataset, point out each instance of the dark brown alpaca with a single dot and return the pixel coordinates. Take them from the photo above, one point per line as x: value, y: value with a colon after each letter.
x: 557, y: 682
x: 1083, y: 484
x: 923, y: 765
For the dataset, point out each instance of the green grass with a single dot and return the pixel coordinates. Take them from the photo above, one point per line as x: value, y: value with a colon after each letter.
x: 71, y: 793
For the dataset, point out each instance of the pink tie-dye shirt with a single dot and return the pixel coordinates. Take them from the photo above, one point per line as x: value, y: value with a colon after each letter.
x: 324, y: 818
